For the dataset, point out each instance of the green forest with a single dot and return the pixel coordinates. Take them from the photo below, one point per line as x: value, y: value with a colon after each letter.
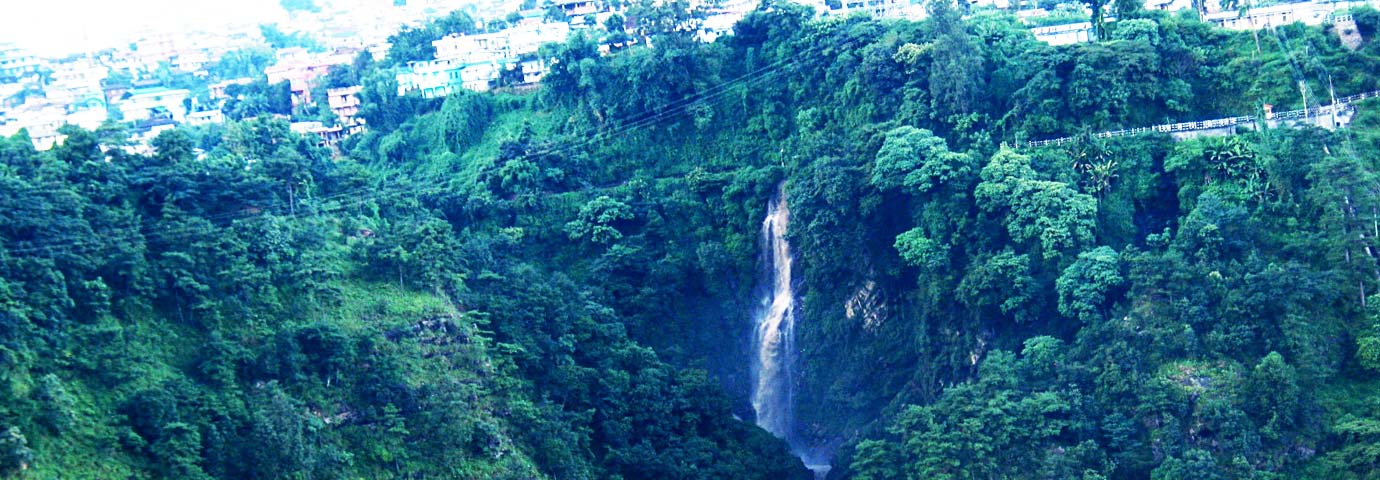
x: 556, y: 284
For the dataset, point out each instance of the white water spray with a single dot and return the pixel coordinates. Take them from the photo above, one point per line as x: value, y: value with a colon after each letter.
x: 774, y: 321
x: 773, y: 341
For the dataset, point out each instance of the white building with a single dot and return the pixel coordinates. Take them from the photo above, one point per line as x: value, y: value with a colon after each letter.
x: 16, y: 63
x: 206, y: 117
x: 508, y: 43
x: 473, y: 48
x: 577, y: 8
x: 1067, y: 34
x: 1168, y: 5
x: 525, y: 39
x: 345, y: 103
x: 874, y: 8
x: 74, y: 80
x: 439, y: 78
x: 217, y: 91
x: 41, y: 123
x: 42, y: 120
x: 532, y: 70
x: 189, y: 60
x: 1309, y: 13
x: 717, y: 25
x: 997, y: 4
x: 141, y: 104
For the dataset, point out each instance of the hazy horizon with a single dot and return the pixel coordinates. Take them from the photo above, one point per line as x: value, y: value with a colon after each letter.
x: 86, y: 25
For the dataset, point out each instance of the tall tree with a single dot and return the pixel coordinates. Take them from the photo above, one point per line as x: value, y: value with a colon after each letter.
x: 956, y: 71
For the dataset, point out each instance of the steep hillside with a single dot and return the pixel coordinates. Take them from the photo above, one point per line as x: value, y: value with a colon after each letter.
x: 560, y: 284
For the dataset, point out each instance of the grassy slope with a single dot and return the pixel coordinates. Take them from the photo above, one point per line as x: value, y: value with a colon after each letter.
x: 164, y: 350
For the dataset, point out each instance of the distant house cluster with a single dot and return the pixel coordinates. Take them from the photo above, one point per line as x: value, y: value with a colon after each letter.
x: 344, y: 103
x: 130, y: 85
x: 481, y: 61
x: 476, y: 62
x: 1316, y: 12
x: 40, y: 97
x: 509, y: 57
x: 1308, y: 13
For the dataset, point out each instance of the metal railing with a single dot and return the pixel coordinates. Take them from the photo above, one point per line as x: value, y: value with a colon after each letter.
x: 1341, y: 105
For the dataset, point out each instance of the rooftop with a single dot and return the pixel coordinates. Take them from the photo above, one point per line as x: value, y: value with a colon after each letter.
x: 154, y: 91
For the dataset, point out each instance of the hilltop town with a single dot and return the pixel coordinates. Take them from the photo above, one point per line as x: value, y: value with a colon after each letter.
x: 305, y: 66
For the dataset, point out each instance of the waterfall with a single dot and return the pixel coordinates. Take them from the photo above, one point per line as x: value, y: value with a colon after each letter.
x: 774, y: 325
x: 773, y: 339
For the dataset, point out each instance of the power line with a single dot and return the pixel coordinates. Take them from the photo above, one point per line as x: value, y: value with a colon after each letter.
x: 362, y: 195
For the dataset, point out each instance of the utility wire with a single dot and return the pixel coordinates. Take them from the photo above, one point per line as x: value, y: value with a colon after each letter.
x: 362, y: 195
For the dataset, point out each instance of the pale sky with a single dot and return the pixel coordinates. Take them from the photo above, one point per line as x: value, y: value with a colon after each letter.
x: 50, y: 27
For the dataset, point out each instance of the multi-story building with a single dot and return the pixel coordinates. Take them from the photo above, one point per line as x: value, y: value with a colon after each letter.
x: 473, y: 48
x: 326, y: 136
x: 145, y: 103
x: 217, y: 91
x: 205, y: 117
x: 302, y: 70
x: 532, y: 70
x: 1066, y: 34
x: 75, y: 80
x: 497, y: 46
x: 875, y: 8
x: 525, y: 39
x: 150, y: 52
x: 191, y: 60
x: 16, y: 64
x: 1309, y: 13
x: 41, y: 119
x: 577, y: 8
x: 40, y: 123
x: 439, y: 78
x: 344, y: 103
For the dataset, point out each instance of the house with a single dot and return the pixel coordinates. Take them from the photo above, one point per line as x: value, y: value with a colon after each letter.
x: 88, y: 113
x: 206, y: 117
x: 875, y: 8
x: 16, y: 64
x: 717, y: 25
x: 326, y: 136
x: 532, y: 70
x: 1067, y: 34
x: 302, y: 70
x: 1168, y: 5
x: 532, y: 16
x: 344, y: 103
x: 472, y: 48
x: 524, y: 39
x: 113, y: 92
x: 577, y: 8
x: 149, y: 52
x: 79, y: 77
x: 1309, y: 13
x: 439, y: 78
x: 41, y: 122
x: 145, y: 103
x: 190, y: 60
x: 42, y: 119
x: 217, y: 91
x: 504, y: 44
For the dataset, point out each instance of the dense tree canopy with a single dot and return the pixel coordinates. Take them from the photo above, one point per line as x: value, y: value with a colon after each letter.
x: 558, y: 284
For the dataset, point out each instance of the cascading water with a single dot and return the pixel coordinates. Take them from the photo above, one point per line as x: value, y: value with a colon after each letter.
x: 774, y: 335
x: 774, y: 322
